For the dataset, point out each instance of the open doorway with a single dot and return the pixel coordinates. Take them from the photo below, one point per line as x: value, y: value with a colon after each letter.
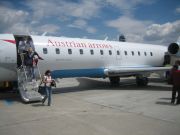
x: 23, y: 43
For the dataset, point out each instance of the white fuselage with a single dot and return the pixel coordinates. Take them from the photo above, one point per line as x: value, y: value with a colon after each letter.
x: 74, y: 57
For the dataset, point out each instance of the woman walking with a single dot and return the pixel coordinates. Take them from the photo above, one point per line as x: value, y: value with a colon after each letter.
x: 47, y: 80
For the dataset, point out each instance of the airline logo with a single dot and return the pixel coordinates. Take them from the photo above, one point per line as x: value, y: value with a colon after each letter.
x: 75, y: 44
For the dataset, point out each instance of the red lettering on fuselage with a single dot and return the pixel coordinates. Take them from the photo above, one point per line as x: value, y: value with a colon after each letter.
x: 50, y: 43
x: 71, y: 44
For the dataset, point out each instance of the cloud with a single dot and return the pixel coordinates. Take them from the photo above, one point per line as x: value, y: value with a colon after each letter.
x: 85, y: 9
x: 11, y: 16
x: 146, y: 31
x: 50, y: 28
x: 163, y: 33
x: 23, y: 28
x: 78, y: 24
x: 24, y: 21
x: 36, y: 17
x: 127, y: 6
x: 91, y: 30
x: 126, y: 25
x: 82, y: 24
x: 19, y: 28
x: 45, y: 8
x: 132, y: 28
x: 177, y: 10
x: 20, y: 22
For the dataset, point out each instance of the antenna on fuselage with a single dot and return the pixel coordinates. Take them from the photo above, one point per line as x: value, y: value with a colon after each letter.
x: 44, y: 34
x: 106, y: 38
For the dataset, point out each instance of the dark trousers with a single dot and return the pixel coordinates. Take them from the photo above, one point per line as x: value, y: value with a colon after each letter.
x: 175, y: 89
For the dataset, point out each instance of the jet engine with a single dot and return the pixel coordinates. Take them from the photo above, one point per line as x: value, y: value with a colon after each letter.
x: 174, y: 49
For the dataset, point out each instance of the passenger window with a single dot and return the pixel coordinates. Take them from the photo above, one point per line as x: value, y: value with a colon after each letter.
x: 145, y: 53
x: 69, y: 51
x: 81, y: 51
x: 125, y: 52
x: 45, y: 51
x: 92, y: 52
x: 118, y: 53
x: 151, y: 53
x: 101, y: 52
x: 132, y: 53
x: 57, y: 51
x: 110, y: 52
x: 139, y: 53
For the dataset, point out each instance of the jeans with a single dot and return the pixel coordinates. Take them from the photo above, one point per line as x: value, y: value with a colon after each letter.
x: 32, y: 72
x: 48, y: 94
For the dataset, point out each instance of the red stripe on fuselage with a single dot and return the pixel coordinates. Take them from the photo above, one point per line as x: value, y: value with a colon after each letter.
x: 10, y: 41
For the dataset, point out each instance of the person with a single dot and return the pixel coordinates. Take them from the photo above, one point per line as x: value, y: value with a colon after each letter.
x: 175, y: 79
x: 21, y: 49
x: 30, y: 61
x: 30, y: 44
x: 47, y: 80
x: 21, y: 45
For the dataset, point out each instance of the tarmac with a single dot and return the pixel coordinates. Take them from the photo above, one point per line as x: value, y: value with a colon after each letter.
x: 86, y: 106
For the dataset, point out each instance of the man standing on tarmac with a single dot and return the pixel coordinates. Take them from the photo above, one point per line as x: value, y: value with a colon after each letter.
x: 175, y: 76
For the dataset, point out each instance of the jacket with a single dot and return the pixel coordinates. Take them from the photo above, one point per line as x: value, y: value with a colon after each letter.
x: 176, y: 78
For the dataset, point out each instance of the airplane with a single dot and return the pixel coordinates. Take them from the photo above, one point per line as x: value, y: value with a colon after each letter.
x: 76, y: 57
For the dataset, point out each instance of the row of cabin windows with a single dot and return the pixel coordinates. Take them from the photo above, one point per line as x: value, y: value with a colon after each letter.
x: 45, y: 51
x: 139, y: 53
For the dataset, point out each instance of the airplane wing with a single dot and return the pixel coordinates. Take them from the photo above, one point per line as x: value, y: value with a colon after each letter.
x: 123, y: 71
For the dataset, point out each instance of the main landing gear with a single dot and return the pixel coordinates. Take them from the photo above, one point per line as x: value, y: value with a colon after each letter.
x: 141, y: 80
x: 114, y: 81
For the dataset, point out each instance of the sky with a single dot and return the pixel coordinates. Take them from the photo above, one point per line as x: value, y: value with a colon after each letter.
x: 143, y: 21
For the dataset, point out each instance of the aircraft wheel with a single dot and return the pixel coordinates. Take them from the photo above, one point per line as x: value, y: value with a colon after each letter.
x: 141, y: 81
x: 114, y: 81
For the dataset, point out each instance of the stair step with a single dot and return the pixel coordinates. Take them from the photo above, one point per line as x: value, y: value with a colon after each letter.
x: 33, y: 94
x: 28, y: 88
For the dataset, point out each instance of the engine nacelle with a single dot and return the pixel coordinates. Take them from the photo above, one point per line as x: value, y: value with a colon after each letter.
x: 174, y: 49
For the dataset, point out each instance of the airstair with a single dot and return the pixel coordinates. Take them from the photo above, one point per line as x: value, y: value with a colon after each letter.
x: 28, y: 88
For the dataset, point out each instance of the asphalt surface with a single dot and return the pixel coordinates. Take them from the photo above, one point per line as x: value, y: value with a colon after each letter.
x: 84, y: 106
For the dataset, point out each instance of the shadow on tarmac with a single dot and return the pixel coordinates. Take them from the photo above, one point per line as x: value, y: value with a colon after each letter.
x: 90, y: 84
x: 86, y: 84
x: 10, y: 97
x: 164, y: 103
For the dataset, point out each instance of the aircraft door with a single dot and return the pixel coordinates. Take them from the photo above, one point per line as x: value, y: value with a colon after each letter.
x: 23, y: 43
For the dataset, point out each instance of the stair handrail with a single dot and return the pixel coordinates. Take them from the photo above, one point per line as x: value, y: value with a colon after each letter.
x: 24, y: 67
x: 39, y: 72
